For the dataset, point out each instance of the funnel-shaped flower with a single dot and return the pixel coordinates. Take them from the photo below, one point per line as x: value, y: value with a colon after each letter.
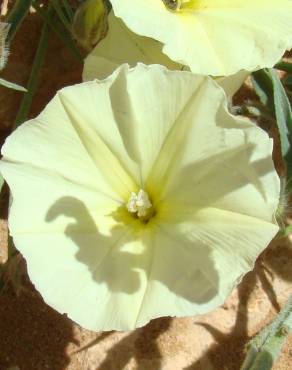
x: 133, y: 48
x: 123, y: 46
x: 214, y: 37
x: 139, y: 196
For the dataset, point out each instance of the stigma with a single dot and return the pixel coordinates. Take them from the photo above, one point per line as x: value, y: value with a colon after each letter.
x: 139, y: 204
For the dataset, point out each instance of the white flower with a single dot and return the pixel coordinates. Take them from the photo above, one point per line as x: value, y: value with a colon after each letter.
x: 214, y: 37
x: 139, y: 196
x: 132, y: 49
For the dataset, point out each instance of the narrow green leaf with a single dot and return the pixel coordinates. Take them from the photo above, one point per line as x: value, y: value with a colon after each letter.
x: 263, y: 87
x: 68, y: 10
x: 266, y: 347
x: 4, y: 50
x: 272, y: 94
x: 287, y: 81
x: 1, y: 182
x: 16, y: 16
x: 34, y: 74
x: 64, y: 35
x: 63, y: 17
x: 283, y: 113
x: 284, y: 66
x: 284, y: 120
x: 11, y: 85
x: 287, y: 230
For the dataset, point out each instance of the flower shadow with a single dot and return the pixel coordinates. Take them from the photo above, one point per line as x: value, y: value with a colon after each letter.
x: 122, y: 270
x: 140, y: 345
x: 229, y: 349
x: 83, y: 231
x: 33, y: 335
x: 207, y: 177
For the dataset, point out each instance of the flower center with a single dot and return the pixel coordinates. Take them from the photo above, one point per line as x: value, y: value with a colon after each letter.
x: 176, y: 5
x: 140, y: 205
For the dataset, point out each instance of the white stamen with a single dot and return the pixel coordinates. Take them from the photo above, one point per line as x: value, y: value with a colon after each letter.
x: 139, y: 203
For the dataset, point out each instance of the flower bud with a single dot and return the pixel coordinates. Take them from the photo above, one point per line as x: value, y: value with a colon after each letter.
x: 90, y: 23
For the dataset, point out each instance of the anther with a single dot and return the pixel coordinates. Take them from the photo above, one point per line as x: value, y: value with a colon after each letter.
x: 139, y: 204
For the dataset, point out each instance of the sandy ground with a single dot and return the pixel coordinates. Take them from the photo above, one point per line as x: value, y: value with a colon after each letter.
x: 35, y: 337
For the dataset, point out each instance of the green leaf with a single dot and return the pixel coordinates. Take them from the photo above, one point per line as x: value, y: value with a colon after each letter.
x: 263, y: 86
x: 16, y: 16
x: 272, y: 94
x: 11, y: 85
x: 63, y: 33
x: 4, y: 50
x: 68, y: 10
x: 61, y: 14
x: 1, y: 182
x: 287, y: 231
x: 1, y: 188
x: 265, y: 348
x: 287, y: 81
x: 284, y: 66
x: 34, y: 74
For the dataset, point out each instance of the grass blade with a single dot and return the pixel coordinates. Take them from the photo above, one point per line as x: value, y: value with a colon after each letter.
x: 64, y: 35
x: 16, y: 16
x: 34, y: 74
x: 284, y: 66
x: 59, y: 10
x: 68, y: 10
x: 11, y: 85
x: 272, y: 94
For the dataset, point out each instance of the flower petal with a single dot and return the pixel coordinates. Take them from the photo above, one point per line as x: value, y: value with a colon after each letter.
x: 98, y: 281
x: 215, y: 37
x: 134, y: 49
x: 231, y: 84
x: 142, y: 113
x: 91, y: 163
x: 207, y: 138
x: 197, y: 262
x: 106, y: 56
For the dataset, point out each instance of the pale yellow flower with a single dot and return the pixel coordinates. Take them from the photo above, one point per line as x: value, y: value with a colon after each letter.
x: 214, y: 37
x: 132, y: 49
x: 123, y: 46
x: 139, y: 196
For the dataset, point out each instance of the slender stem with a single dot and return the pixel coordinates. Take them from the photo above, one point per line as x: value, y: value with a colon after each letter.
x: 266, y: 347
x: 16, y: 16
x: 27, y: 98
x: 68, y: 10
x: 64, y: 35
x: 62, y: 16
x: 34, y: 74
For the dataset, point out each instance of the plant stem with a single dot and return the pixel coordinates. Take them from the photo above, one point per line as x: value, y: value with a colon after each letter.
x: 64, y: 35
x: 16, y: 16
x: 265, y: 348
x: 68, y: 10
x: 34, y: 74
x: 59, y: 10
